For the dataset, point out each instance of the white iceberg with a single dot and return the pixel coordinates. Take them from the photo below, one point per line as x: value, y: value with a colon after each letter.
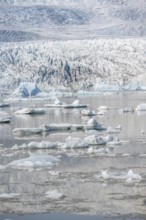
x: 4, y: 117
x: 75, y: 104
x: 126, y: 109
x: 4, y: 104
x: 26, y: 89
x: 103, y: 107
x: 115, y: 130
x: 9, y: 196
x: 27, y: 131
x: 88, y: 112
x: 54, y: 194
x: 98, y: 140
x: 37, y: 161
x: 141, y: 107
x: 56, y: 104
x: 130, y: 177
x: 37, y: 145
x: 93, y: 124
x: 75, y: 143
x: 42, y: 145
x: 31, y: 111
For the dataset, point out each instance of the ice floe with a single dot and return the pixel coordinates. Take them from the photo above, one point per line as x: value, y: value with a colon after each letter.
x: 37, y: 145
x: 141, y: 107
x: 4, y: 104
x: 102, y: 108
x: 31, y: 111
x: 88, y: 112
x: 56, y: 104
x: 115, y: 130
x: 75, y: 143
x: 98, y: 140
x: 54, y: 194
x: 91, y: 124
x: 126, y: 110
x: 75, y: 104
x: 4, y: 117
x: 26, y: 89
x: 9, y: 195
x: 100, y: 151
x: 36, y: 161
x: 130, y: 177
x: 27, y: 131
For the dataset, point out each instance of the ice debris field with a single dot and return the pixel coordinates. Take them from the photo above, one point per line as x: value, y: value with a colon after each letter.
x: 60, y: 148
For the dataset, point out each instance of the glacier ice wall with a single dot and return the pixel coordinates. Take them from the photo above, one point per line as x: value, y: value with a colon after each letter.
x: 78, y: 64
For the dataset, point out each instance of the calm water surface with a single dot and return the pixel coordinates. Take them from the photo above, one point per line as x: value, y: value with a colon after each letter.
x: 76, y: 174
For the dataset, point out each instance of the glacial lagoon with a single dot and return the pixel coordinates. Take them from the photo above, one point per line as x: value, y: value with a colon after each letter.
x: 74, y: 184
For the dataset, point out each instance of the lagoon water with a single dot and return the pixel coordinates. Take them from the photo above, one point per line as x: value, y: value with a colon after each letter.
x: 77, y: 176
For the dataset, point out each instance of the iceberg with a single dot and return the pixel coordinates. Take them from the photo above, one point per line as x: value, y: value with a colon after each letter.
x: 98, y: 140
x: 37, y: 145
x: 37, y: 161
x: 27, y: 131
x: 75, y: 143
x: 26, y: 89
x: 93, y: 124
x: 126, y: 109
x: 42, y: 145
x: 9, y: 196
x: 88, y: 112
x: 4, y: 117
x: 56, y: 104
x: 4, y: 104
x: 75, y: 104
x: 130, y: 177
x: 32, y: 111
x: 103, y: 108
x: 141, y: 107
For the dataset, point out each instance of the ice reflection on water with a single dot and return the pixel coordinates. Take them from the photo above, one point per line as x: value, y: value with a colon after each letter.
x: 75, y: 176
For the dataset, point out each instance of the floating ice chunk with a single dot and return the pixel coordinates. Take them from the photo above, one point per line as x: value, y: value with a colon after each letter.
x: 75, y: 143
x: 133, y: 177
x: 42, y: 145
x: 9, y: 195
x: 127, y: 109
x: 56, y: 103
x: 27, y: 131
x: 54, y: 194
x: 88, y: 112
x: 114, y: 143
x: 100, y: 151
x: 26, y: 89
x: 141, y: 107
x: 31, y: 111
x: 4, y: 117
x: 98, y: 140
x: 34, y: 162
x: 103, y: 107
x: 90, y: 150
x: 130, y: 177
x: 111, y: 130
x: 93, y: 124
x: 57, y: 127
x: 75, y: 104
x: 4, y: 104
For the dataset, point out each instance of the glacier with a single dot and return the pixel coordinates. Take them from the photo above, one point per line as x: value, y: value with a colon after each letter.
x: 77, y: 65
